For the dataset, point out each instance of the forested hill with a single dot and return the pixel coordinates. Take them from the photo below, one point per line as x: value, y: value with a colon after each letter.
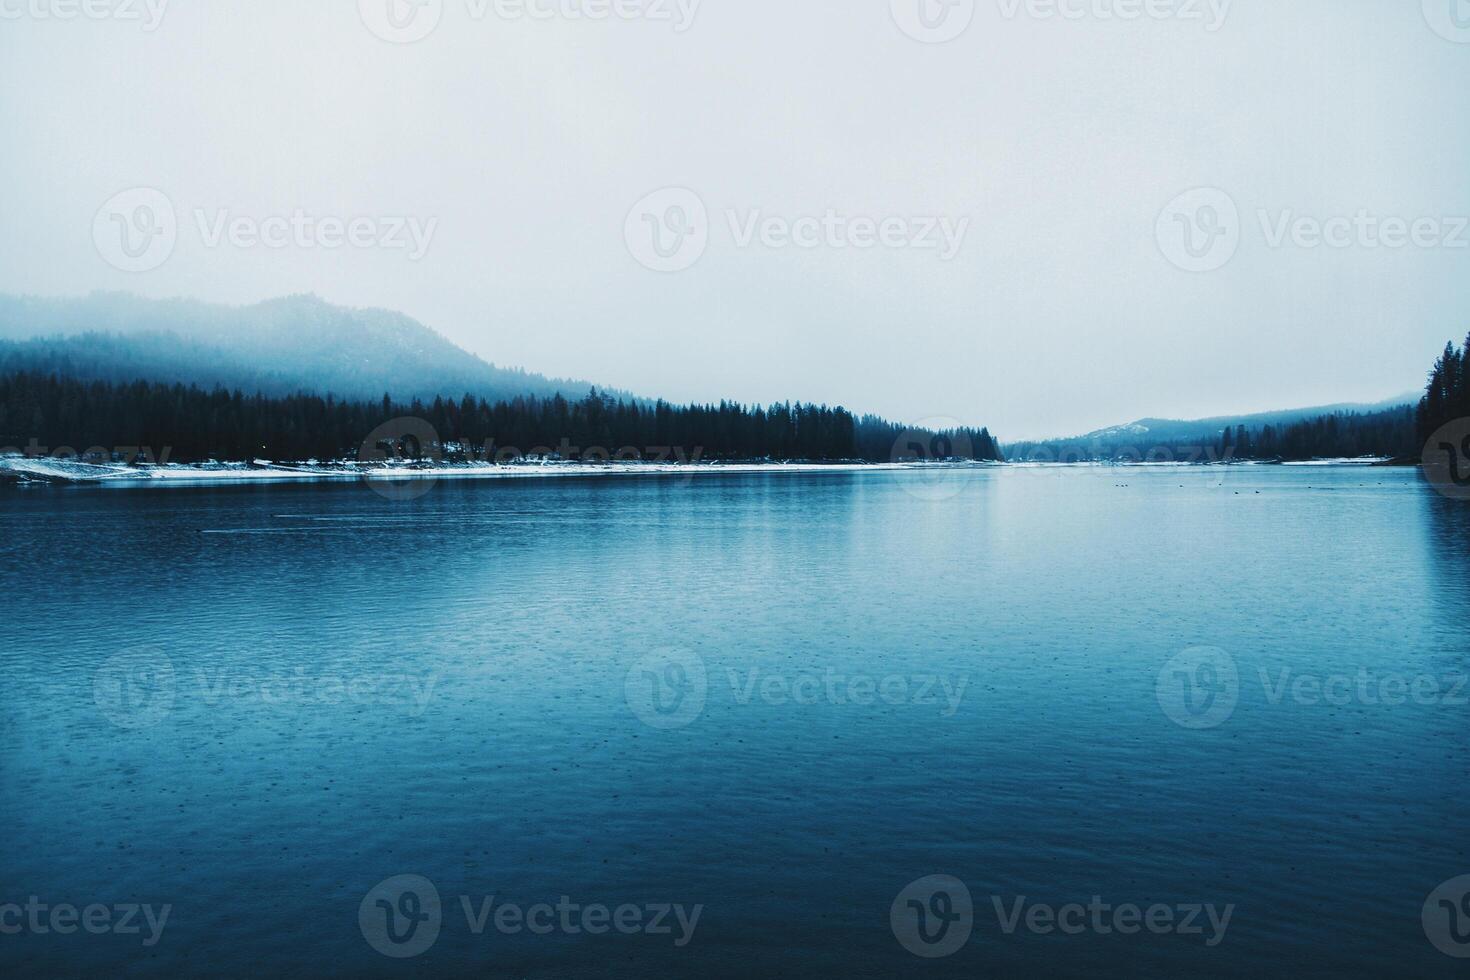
x: 41, y: 413
x: 1331, y: 431
x: 279, y: 347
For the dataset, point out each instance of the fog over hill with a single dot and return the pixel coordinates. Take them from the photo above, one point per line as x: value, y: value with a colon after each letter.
x: 1169, y: 430
x: 280, y: 346
x: 1346, y: 429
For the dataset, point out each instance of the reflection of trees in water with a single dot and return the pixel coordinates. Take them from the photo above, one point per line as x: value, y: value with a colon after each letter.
x: 1447, y: 523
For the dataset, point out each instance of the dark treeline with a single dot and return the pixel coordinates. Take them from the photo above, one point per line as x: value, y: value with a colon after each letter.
x: 1447, y: 397
x: 46, y: 412
x: 1343, y: 434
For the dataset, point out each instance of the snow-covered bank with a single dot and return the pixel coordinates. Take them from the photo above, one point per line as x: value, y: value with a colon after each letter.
x: 27, y: 469
x: 45, y: 469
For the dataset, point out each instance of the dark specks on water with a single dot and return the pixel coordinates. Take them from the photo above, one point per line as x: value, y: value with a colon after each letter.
x: 262, y: 802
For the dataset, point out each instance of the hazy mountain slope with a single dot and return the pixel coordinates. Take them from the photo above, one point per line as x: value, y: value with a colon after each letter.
x: 278, y: 346
x: 1167, y: 430
x: 1350, y: 429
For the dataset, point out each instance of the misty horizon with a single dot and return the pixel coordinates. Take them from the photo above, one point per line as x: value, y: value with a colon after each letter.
x: 986, y: 226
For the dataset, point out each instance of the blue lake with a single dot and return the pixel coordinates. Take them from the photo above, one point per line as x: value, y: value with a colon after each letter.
x: 779, y: 700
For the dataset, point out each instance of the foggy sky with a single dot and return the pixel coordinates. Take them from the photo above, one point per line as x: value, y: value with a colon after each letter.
x: 1056, y: 141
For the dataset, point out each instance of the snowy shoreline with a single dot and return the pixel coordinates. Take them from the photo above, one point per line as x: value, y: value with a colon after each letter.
x: 48, y: 470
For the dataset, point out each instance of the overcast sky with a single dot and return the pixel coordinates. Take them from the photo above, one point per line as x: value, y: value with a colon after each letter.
x: 1050, y: 149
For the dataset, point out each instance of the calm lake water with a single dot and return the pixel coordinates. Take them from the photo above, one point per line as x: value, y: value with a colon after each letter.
x: 779, y: 701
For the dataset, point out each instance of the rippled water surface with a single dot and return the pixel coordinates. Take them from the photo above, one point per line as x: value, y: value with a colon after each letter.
x: 781, y: 698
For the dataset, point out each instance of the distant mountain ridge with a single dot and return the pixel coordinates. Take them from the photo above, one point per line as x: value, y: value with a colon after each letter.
x: 1349, y: 429
x: 1168, y: 430
x: 277, y: 347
